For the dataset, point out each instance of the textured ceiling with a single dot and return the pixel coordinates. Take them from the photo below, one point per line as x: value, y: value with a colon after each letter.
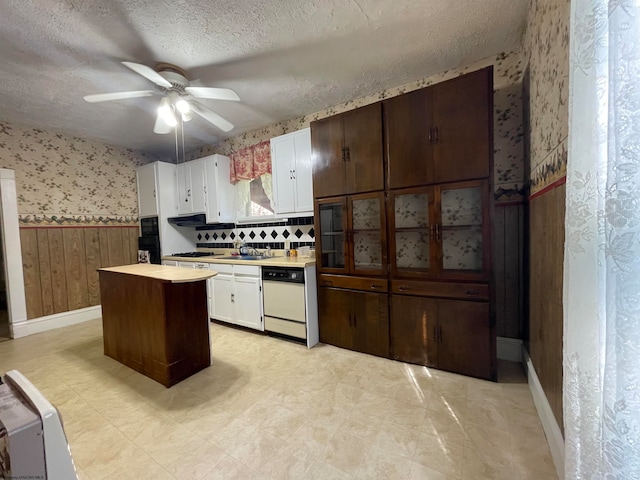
x: 285, y: 58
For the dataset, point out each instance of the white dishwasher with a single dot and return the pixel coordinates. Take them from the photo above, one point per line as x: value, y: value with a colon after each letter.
x: 284, y: 301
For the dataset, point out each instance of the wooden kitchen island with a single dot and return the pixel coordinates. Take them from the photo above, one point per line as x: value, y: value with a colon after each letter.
x: 155, y: 319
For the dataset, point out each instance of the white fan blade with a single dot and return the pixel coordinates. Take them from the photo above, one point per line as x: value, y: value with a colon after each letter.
x: 105, y: 97
x: 148, y: 73
x: 161, y: 127
x: 210, y: 116
x: 213, y: 93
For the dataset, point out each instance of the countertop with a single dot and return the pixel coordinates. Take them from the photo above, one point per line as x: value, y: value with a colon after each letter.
x: 162, y: 272
x: 296, y: 262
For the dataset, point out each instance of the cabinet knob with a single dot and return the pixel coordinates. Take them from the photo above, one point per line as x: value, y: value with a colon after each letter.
x: 327, y: 282
x: 375, y: 286
x: 403, y: 288
x: 472, y: 293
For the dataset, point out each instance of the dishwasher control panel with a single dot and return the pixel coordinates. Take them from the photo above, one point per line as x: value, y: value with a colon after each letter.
x: 283, y: 274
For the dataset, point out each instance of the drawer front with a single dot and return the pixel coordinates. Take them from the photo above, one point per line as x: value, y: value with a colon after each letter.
x: 466, y: 291
x: 221, y: 267
x: 354, y: 283
x: 186, y: 264
x: 249, y: 270
x: 293, y: 329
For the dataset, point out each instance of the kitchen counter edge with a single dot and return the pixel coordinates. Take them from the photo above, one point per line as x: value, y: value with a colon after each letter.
x: 299, y: 262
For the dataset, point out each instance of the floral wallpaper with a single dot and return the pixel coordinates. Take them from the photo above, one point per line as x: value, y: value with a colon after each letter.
x: 508, y: 147
x: 546, y: 48
x: 462, y: 249
x: 461, y: 206
x: 62, y: 180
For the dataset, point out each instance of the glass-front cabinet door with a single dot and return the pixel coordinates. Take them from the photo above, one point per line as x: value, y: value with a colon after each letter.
x: 331, y: 238
x: 463, y: 229
x: 367, y: 240
x: 440, y: 232
x: 412, y: 232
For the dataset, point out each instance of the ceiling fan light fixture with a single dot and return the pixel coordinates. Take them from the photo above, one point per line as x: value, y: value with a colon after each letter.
x: 165, y: 110
x: 183, y: 106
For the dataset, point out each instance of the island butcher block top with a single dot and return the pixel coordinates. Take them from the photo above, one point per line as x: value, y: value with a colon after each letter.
x: 162, y: 272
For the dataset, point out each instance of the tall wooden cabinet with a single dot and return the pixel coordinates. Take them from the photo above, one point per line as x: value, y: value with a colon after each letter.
x: 347, y: 152
x: 407, y: 265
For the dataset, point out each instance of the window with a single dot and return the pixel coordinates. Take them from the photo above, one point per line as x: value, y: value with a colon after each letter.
x: 254, y: 198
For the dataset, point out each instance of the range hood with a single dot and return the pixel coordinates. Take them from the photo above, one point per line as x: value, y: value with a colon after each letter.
x: 189, y: 220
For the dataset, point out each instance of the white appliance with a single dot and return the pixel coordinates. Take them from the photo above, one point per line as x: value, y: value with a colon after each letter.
x: 287, y: 304
x: 32, y: 439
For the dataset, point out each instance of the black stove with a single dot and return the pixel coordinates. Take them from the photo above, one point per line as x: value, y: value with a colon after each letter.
x: 193, y: 254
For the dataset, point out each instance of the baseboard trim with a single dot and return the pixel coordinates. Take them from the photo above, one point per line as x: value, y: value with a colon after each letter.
x: 548, y: 419
x: 509, y: 349
x: 57, y: 320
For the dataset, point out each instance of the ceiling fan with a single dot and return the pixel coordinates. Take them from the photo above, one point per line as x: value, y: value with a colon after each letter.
x: 179, y: 96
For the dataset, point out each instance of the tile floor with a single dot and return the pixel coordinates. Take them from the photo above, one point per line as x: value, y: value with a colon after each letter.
x: 271, y: 409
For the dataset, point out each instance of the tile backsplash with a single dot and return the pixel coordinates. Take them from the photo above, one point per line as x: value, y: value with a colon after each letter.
x: 294, y: 232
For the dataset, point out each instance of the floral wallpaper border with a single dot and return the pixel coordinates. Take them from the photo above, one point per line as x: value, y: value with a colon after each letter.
x: 551, y: 169
x: 75, y: 220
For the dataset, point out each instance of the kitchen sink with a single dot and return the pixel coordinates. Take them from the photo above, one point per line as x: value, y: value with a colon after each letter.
x: 244, y: 257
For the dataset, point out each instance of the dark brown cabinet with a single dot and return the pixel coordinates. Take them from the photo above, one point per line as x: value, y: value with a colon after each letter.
x: 403, y: 242
x: 350, y: 234
x: 452, y: 335
x: 441, y: 133
x: 441, y: 231
x: 354, y: 320
x: 347, y: 152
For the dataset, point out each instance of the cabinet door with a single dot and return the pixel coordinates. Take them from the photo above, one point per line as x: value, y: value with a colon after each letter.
x: 363, y: 141
x: 222, y: 297
x: 465, y: 344
x: 183, y: 178
x: 331, y: 236
x: 367, y: 242
x: 335, y: 319
x: 147, y: 194
x: 463, y: 230
x: 303, y: 172
x: 412, y: 232
x: 409, y: 136
x: 198, y: 189
x: 328, y: 158
x: 283, y: 153
x: 247, y: 302
x: 370, y: 317
x: 413, y: 328
x: 463, y: 119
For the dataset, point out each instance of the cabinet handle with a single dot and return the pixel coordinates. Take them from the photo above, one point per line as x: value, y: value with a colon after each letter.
x: 350, y: 324
x: 439, y: 334
x: 189, y: 193
x: 432, y: 232
x: 293, y: 172
x: 290, y: 175
x: 435, y: 334
x: 438, y: 233
x: 154, y: 193
x: 436, y: 137
x: 403, y: 288
x: 430, y: 135
x: 348, y: 154
x: 375, y: 286
x: 232, y: 298
x: 344, y: 154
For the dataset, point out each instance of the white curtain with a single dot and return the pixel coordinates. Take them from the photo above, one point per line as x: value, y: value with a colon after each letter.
x: 602, y: 248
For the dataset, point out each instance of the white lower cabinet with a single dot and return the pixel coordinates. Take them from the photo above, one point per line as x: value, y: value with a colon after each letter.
x: 236, y: 295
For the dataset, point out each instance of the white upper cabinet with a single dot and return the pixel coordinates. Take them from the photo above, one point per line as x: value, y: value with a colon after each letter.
x: 203, y: 187
x: 191, y: 187
x: 147, y: 191
x: 292, y: 172
x: 220, y: 193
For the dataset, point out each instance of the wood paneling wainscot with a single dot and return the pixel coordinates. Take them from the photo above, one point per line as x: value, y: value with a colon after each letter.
x: 508, y: 258
x: 60, y: 264
x: 545, y: 314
